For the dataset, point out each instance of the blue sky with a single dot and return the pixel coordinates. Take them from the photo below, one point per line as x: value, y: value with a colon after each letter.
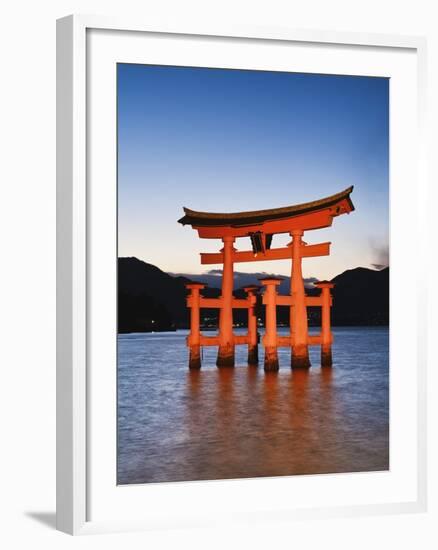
x: 231, y: 140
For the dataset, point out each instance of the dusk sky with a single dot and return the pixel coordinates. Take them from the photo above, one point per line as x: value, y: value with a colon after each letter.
x: 230, y: 140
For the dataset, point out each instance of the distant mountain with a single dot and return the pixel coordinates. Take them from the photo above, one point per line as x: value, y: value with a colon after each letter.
x: 148, y: 298
x: 361, y: 297
x: 151, y: 300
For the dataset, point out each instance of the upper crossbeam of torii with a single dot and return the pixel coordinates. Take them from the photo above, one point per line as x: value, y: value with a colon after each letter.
x: 261, y: 226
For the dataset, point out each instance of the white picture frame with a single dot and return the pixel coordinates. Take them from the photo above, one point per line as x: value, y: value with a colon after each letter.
x: 75, y: 217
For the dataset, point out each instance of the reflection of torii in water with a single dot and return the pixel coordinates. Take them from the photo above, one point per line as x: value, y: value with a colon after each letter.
x: 260, y: 226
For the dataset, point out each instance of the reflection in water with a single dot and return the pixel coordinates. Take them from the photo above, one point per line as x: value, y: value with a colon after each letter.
x: 176, y: 424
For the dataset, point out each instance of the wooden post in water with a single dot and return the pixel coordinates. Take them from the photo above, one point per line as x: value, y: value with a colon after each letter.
x: 270, y: 338
x: 299, y: 331
x: 225, y: 357
x: 253, y: 353
x: 194, y: 338
x: 326, y: 334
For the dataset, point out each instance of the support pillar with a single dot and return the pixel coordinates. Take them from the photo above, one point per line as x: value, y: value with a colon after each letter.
x: 299, y: 331
x: 194, y: 338
x: 270, y: 341
x: 326, y: 334
x: 225, y: 357
x: 253, y: 352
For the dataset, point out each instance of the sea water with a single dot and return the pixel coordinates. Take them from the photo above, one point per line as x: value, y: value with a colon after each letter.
x: 181, y: 425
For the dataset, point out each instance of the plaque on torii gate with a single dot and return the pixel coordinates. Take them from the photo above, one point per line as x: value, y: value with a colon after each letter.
x: 260, y: 226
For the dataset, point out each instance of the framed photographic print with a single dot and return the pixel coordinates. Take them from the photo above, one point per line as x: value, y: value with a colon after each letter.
x: 239, y: 275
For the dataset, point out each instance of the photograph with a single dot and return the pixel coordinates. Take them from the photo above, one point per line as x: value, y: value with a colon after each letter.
x: 219, y: 275
x: 252, y: 274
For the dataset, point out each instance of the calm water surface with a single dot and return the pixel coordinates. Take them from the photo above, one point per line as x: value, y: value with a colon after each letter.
x: 179, y: 425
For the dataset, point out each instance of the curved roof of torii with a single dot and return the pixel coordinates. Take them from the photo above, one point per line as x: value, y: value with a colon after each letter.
x: 235, y: 219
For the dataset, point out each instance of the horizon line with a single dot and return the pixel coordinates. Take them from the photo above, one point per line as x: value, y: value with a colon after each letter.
x: 213, y: 271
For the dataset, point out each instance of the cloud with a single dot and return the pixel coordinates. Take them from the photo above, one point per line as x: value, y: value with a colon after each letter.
x: 213, y: 278
x: 381, y: 256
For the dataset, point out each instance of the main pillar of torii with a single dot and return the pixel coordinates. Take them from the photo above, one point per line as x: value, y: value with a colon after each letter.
x: 299, y: 331
x: 260, y: 226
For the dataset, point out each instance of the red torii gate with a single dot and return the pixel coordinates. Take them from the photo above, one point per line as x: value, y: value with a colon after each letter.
x: 261, y: 226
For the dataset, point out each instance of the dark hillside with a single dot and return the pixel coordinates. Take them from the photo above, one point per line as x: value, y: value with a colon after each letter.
x: 151, y: 300
x: 361, y: 297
